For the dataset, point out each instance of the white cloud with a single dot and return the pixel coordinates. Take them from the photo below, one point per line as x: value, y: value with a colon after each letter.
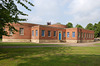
x: 35, y: 19
x: 46, y: 7
x: 76, y: 11
x: 84, y: 11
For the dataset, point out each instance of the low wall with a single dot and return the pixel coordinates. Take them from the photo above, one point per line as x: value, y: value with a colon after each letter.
x: 16, y: 40
x: 45, y: 41
x: 48, y: 41
x: 71, y: 41
x: 35, y: 40
x: 83, y: 41
x: 79, y: 41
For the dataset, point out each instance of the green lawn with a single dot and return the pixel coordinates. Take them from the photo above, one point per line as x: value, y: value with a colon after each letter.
x: 50, y: 56
x: 97, y: 44
x: 22, y: 44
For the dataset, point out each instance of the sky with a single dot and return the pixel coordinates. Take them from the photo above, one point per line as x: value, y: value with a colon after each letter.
x: 75, y: 11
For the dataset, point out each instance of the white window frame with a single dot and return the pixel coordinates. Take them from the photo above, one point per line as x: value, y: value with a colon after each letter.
x: 50, y: 34
x: 20, y: 32
x: 44, y: 34
x: 10, y: 32
x: 55, y: 33
x: 36, y: 33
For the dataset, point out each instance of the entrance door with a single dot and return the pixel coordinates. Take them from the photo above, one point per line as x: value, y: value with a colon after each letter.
x: 59, y: 35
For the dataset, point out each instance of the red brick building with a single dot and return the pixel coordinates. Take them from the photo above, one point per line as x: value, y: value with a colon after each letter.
x: 48, y: 33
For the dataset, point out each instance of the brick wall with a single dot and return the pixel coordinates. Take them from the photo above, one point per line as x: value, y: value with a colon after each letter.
x: 70, y: 30
x: 52, y: 29
x: 89, y: 34
x: 34, y: 29
x: 27, y: 31
x: 79, y: 33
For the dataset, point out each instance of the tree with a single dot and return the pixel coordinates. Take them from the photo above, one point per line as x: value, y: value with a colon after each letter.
x: 58, y: 23
x: 9, y: 14
x: 89, y: 26
x: 69, y: 25
x: 96, y: 29
x: 78, y: 26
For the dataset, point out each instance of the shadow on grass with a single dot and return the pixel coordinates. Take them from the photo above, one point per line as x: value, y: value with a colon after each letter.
x: 63, y: 60
x: 48, y: 56
x: 6, y: 53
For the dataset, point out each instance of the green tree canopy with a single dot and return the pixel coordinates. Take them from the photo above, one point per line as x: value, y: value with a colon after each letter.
x: 97, y: 29
x: 78, y: 26
x: 9, y: 13
x: 69, y: 25
x: 58, y: 23
x: 89, y: 26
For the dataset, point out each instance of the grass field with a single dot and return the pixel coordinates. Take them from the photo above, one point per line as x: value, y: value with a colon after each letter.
x: 22, y: 44
x: 97, y: 44
x: 50, y: 56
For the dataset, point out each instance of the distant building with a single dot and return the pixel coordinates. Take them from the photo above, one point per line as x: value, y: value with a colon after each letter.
x: 48, y: 34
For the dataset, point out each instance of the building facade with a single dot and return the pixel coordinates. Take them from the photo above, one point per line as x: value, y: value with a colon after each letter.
x: 48, y: 34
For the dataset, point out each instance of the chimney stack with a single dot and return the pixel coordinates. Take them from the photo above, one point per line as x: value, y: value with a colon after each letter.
x: 48, y: 23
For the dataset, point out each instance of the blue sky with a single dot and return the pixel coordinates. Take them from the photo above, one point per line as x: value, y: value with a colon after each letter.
x: 75, y: 11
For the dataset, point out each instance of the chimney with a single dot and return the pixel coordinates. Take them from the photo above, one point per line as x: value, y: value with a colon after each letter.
x: 48, y: 23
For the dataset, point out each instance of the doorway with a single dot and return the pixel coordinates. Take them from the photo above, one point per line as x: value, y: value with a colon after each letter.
x: 59, y: 35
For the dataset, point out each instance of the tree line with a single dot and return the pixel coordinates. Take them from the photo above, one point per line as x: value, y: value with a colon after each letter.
x: 90, y: 26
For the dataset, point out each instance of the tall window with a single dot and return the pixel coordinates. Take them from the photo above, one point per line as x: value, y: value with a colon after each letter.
x: 79, y: 34
x: 21, y: 31
x: 84, y: 35
x: 67, y: 34
x: 32, y: 32
x: 36, y: 32
x: 64, y: 34
x: 89, y: 35
x: 93, y: 36
x: 49, y: 33
x: 10, y: 32
x: 54, y: 33
x: 43, y: 32
x: 73, y: 34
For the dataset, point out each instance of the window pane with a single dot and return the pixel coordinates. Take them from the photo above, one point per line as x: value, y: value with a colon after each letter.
x: 10, y: 32
x: 21, y: 31
x: 36, y: 32
x: 79, y: 34
x: 48, y: 33
x: 84, y: 35
x: 54, y: 33
x: 43, y: 32
x: 73, y: 34
x: 64, y: 34
x: 67, y: 34
x: 32, y: 32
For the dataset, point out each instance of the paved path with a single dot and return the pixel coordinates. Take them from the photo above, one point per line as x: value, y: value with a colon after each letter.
x: 91, y: 44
